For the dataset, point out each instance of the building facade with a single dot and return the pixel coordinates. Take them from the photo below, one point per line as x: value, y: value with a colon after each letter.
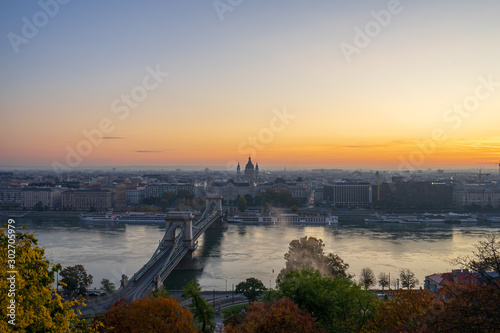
x: 348, y: 194
x: 48, y: 197
x: 88, y: 199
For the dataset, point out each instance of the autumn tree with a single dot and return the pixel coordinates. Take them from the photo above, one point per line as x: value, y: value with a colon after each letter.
x: 337, y: 303
x: 367, y: 277
x: 485, y: 260
x: 407, y: 278
x: 107, y: 286
x: 149, y: 314
x: 251, y: 288
x: 404, y: 311
x: 383, y: 280
x: 75, y: 280
x: 38, y: 307
x: 467, y: 308
x: 309, y: 252
x: 203, y: 313
x: 279, y: 316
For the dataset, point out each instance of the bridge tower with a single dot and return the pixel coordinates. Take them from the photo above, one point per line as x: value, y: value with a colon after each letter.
x: 175, y: 222
x: 214, y: 200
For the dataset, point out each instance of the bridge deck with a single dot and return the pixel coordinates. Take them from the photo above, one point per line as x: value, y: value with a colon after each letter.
x: 161, y: 264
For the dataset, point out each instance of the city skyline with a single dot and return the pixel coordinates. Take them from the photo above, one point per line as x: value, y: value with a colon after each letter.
x: 302, y: 84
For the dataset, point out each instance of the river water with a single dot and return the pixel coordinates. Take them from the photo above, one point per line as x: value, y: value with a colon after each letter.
x: 241, y: 251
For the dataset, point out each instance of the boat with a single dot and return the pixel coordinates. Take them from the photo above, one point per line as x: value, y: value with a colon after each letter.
x: 377, y: 218
x: 139, y: 217
x: 92, y: 218
x: 283, y: 219
x: 493, y: 219
x: 128, y: 217
x: 460, y: 218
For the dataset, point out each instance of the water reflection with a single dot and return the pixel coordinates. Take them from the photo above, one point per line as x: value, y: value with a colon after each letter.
x: 244, y: 251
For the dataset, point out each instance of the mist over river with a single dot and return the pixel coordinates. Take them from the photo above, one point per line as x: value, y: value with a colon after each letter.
x: 241, y: 251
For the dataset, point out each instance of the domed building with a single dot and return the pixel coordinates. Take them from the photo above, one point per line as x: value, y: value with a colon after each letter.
x: 251, y: 172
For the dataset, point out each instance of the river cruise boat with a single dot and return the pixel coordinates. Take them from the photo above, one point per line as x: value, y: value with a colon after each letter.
x: 424, y: 218
x: 128, y: 217
x: 283, y: 219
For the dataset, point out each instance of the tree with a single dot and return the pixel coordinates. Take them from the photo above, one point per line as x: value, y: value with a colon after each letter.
x: 107, y: 286
x: 294, y: 208
x: 337, y: 303
x: 279, y: 316
x: 485, y: 260
x: 147, y: 314
x: 404, y: 311
x: 249, y: 199
x: 38, y: 307
x: 251, y: 288
x: 308, y: 252
x: 38, y: 206
x: 395, y: 283
x: 203, y: 313
x: 160, y: 292
x: 367, y: 277
x: 467, y: 308
x: 383, y: 280
x: 75, y: 280
x: 184, y: 194
x: 407, y: 278
x: 241, y: 202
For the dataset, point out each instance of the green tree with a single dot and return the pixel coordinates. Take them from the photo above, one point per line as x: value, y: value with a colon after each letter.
x: 75, y: 280
x: 309, y: 252
x: 160, y: 292
x: 337, y: 303
x: 203, y: 313
x: 251, y: 288
x: 38, y: 307
x: 107, y: 286
x: 407, y: 278
x: 241, y: 202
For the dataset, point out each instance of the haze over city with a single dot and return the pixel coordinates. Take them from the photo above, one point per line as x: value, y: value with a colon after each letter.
x: 305, y: 83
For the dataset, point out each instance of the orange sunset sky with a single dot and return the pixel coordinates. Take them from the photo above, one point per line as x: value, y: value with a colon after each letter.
x: 425, y: 88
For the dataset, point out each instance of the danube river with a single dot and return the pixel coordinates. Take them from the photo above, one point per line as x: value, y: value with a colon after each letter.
x: 243, y: 251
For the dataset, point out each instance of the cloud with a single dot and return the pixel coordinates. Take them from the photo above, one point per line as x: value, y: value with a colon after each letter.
x: 149, y: 151
x: 112, y: 137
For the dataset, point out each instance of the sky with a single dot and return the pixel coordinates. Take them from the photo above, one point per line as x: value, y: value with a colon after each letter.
x: 298, y: 83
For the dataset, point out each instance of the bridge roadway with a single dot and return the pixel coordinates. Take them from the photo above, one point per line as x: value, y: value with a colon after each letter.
x: 161, y: 264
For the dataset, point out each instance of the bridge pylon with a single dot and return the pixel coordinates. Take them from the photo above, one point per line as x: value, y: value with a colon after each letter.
x: 214, y: 199
x: 175, y: 223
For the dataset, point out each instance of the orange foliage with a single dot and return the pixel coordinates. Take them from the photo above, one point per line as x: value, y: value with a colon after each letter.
x: 405, y: 311
x: 281, y: 316
x: 148, y: 314
x: 468, y: 308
